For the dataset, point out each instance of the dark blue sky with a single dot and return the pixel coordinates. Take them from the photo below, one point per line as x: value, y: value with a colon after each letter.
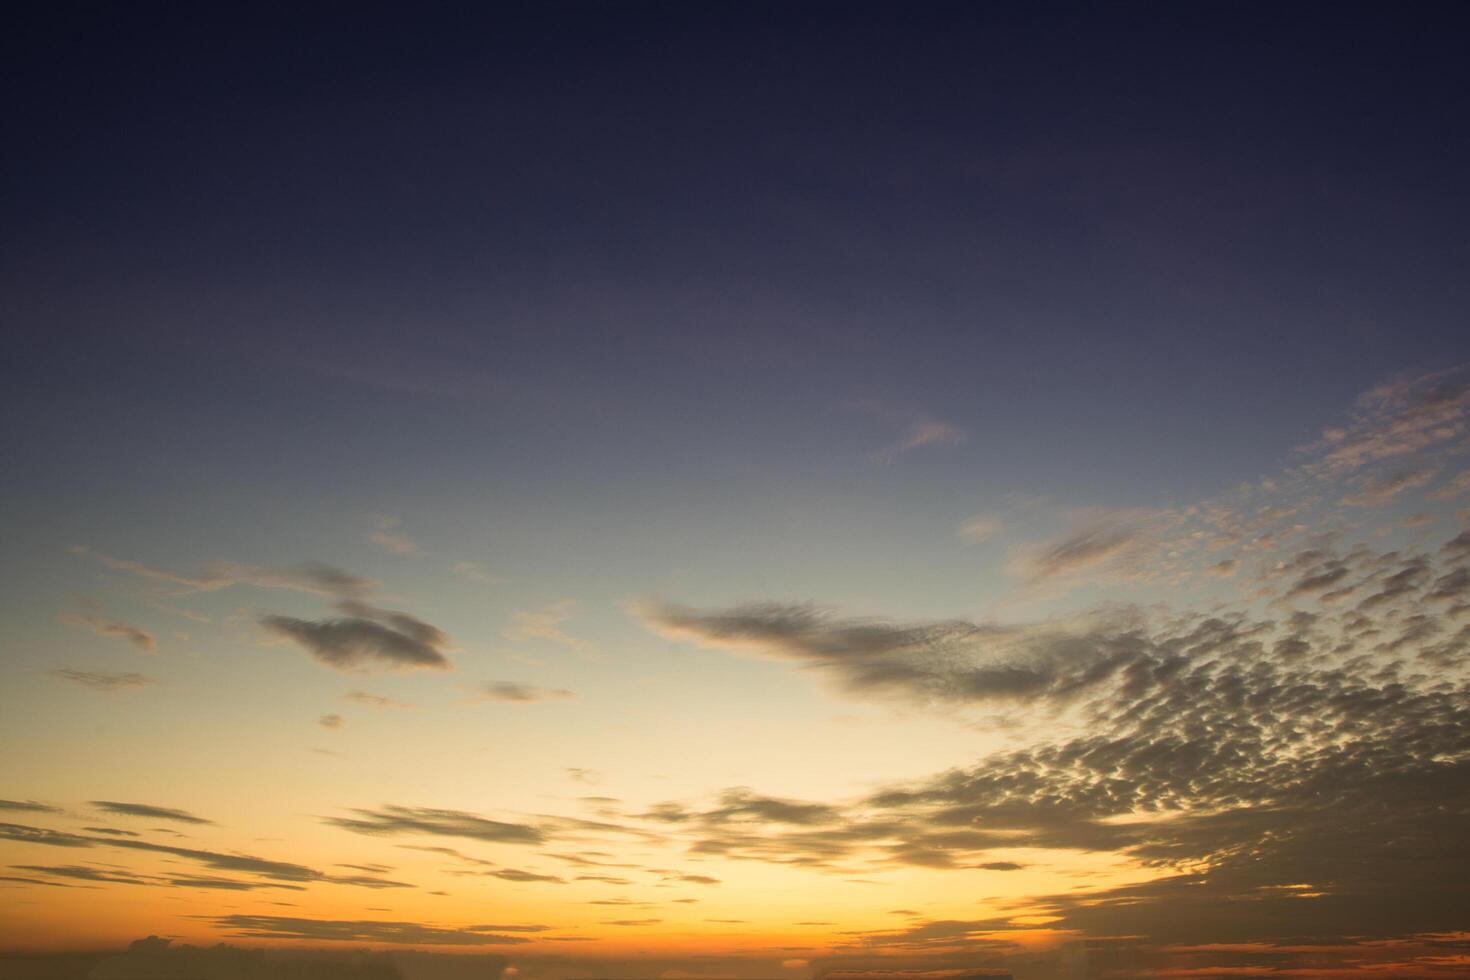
x: 1125, y: 247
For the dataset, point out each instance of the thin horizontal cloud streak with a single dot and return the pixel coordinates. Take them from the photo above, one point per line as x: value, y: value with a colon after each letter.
x: 107, y: 683
x: 393, y: 820
x: 516, y: 693
x: 149, y: 812
x: 314, y: 578
x: 138, y: 637
x: 368, y: 930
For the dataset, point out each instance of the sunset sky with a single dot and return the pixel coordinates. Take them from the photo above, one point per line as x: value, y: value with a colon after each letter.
x: 783, y: 491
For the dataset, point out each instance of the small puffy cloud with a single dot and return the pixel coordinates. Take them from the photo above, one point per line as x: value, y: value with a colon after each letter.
x: 331, y: 722
x: 138, y: 637
x: 148, y: 811
x: 366, y: 636
x: 515, y: 693
x: 102, y: 681
x: 1223, y: 569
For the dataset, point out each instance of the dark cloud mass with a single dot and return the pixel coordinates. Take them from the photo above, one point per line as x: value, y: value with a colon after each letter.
x: 365, y: 637
x: 1308, y: 775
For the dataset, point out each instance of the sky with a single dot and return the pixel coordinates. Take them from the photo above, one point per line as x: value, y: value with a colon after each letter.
x: 778, y: 491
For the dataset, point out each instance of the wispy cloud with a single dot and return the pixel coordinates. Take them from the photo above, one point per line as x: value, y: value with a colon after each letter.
x: 102, y: 681
x: 386, y: 535
x: 149, y: 811
x: 473, y: 571
x: 515, y: 693
x: 374, y: 700
x: 391, y: 820
x: 137, y: 636
x: 980, y: 528
x: 1380, y: 489
x: 543, y: 623
x: 315, y: 578
x: 916, y: 429
x: 370, y: 931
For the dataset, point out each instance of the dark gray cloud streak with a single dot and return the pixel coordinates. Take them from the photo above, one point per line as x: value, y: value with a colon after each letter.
x: 369, y: 930
x: 148, y: 811
x: 391, y: 819
x: 274, y: 871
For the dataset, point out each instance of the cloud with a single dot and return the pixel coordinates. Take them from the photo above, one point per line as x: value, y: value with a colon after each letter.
x: 101, y: 681
x: 140, y: 638
x: 28, y: 806
x: 315, y: 578
x: 116, y: 877
x: 1381, y: 489
x: 1456, y: 486
x: 515, y: 874
x: 523, y: 693
x: 473, y: 571
x: 1396, y: 419
x: 330, y: 722
x: 543, y: 623
x: 1218, y: 753
x: 82, y: 873
x: 366, y: 636
x: 41, y: 835
x: 953, y: 660
x: 980, y: 528
x: 916, y: 429
x: 149, y: 812
x: 374, y: 700
x: 741, y: 804
x: 214, y: 860
x: 385, y: 534
x: 1104, y: 542
x: 392, y: 820
x: 368, y: 930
